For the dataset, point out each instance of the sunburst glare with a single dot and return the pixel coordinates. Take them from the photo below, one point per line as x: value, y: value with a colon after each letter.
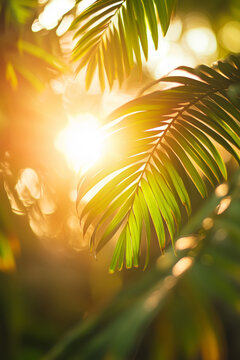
x: 82, y: 142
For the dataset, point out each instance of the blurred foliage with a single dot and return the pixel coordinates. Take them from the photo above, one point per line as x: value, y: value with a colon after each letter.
x: 21, y: 52
x: 216, y: 7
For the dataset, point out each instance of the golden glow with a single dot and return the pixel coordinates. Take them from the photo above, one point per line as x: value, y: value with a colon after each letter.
x: 175, y: 30
x: 175, y: 57
x: 28, y: 187
x: 207, y: 223
x: 182, y: 265
x: 170, y: 53
x: 36, y: 26
x: 224, y: 204
x: 64, y: 25
x: 186, y: 242
x: 82, y: 142
x: 201, y: 40
x: 221, y: 190
x: 73, y: 196
x: 53, y: 12
x: 229, y: 36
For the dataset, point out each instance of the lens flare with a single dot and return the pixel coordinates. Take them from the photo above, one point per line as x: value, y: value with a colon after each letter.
x: 82, y: 142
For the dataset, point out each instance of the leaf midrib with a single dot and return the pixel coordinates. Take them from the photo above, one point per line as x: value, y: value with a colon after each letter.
x: 174, y: 119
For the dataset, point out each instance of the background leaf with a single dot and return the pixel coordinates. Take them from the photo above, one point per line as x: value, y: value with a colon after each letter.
x: 115, y: 32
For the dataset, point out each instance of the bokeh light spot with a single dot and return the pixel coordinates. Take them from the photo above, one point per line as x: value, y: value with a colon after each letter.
x: 186, y: 242
x: 229, y: 36
x: 201, y: 40
x: 221, y: 190
x: 182, y: 265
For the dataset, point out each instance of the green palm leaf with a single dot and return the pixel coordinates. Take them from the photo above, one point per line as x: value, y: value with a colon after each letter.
x: 168, y: 139
x: 112, y: 34
x: 207, y: 265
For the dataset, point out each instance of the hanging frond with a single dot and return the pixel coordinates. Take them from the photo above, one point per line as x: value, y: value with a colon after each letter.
x: 205, y: 271
x: 113, y: 33
x: 168, y: 138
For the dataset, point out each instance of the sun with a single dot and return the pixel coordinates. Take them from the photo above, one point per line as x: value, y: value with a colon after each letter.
x: 81, y: 142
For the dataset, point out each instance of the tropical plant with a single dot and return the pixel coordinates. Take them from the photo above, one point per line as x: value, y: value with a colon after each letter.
x: 113, y: 34
x: 173, y: 139
x: 179, y: 293
x: 170, y: 138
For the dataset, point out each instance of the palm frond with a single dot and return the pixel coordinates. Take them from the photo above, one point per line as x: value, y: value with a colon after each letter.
x: 205, y: 271
x: 112, y: 34
x: 168, y: 139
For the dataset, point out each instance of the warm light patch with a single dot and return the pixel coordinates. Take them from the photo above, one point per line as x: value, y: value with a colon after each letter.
x: 207, y: 223
x: 28, y: 187
x: 186, y: 242
x: 64, y: 25
x: 224, y: 204
x: 182, y: 265
x: 73, y: 196
x: 36, y: 26
x: 82, y: 142
x: 229, y: 36
x: 53, y: 12
x: 170, y: 53
x: 222, y: 190
x: 201, y: 40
